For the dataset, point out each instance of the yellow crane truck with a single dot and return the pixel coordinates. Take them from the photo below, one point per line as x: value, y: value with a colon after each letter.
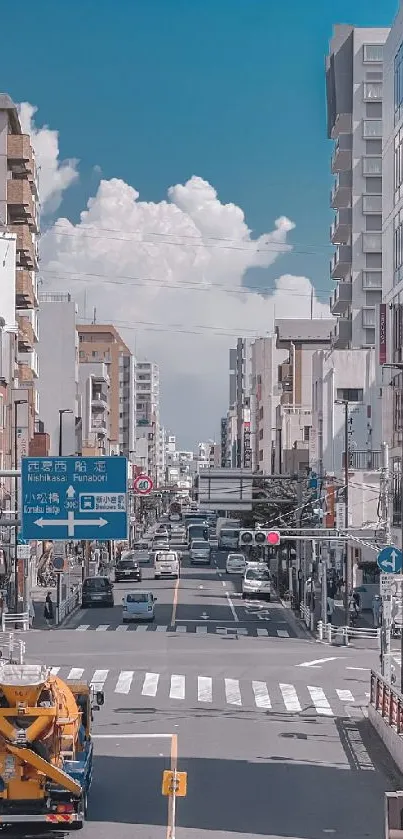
x: 46, y: 749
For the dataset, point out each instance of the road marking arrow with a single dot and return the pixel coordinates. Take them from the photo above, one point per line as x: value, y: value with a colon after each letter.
x: 71, y: 523
x: 204, y: 616
x: 70, y: 492
x: 318, y: 662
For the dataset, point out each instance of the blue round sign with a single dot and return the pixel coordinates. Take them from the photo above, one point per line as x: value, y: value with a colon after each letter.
x: 390, y: 560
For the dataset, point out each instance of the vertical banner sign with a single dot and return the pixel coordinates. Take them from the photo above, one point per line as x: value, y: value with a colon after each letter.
x: 247, y: 451
x: 382, y: 333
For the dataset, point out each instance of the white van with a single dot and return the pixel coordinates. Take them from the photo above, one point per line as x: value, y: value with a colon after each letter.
x: 166, y: 564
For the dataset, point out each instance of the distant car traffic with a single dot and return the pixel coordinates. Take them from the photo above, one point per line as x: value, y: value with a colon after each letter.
x: 138, y: 606
x: 141, y: 552
x: 128, y: 568
x: 256, y: 582
x: 166, y: 564
x: 200, y: 552
x: 235, y: 564
x: 97, y: 591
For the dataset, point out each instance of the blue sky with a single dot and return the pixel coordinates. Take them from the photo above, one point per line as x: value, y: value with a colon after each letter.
x: 154, y: 91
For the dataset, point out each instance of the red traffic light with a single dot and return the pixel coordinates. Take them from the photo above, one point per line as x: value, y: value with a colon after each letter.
x: 273, y: 538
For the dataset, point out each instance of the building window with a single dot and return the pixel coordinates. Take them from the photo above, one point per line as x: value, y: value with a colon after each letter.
x: 261, y: 413
x: 372, y: 90
x: 398, y: 247
x: 372, y: 53
x: 368, y: 318
x: 350, y: 394
x: 261, y: 454
x: 307, y: 433
x: 398, y: 173
x: 261, y: 434
x: 372, y: 280
x: 371, y: 166
x: 372, y: 127
x: 397, y: 332
x: 398, y: 83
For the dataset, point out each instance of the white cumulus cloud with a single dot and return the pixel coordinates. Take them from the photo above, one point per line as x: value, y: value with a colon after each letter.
x: 54, y: 176
x: 169, y: 275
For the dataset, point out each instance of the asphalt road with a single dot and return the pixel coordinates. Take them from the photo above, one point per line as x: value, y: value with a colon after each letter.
x: 269, y: 725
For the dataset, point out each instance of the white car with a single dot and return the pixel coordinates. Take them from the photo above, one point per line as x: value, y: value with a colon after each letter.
x: 256, y: 582
x: 166, y: 564
x: 235, y: 564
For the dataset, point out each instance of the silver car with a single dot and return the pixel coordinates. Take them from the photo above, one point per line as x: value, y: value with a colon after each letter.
x: 200, y: 552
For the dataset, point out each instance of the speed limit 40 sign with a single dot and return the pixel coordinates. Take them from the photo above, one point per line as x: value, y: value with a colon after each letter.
x: 143, y: 484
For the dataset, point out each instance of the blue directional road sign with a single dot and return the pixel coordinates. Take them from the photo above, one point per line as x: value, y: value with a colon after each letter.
x: 390, y: 560
x: 74, y: 498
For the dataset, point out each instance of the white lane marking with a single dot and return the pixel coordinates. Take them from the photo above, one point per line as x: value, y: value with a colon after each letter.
x: 177, y: 690
x: 161, y: 628
x: 290, y: 697
x: 204, y: 689
x: 141, y: 627
x: 82, y: 627
x: 282, y: 633
x: 367, y: 695
x: 232, y: 607
x: 54, y: 671
x: 131, y: 736
x: 99, y: 678
x: 224, y: 583
x: 150, y: 684
x: 232, y: 692
x: 180, y: 628
x: 123, y: 627
x: 361, y: 669
x: 102, y: 627
x: 75, y: 673
x: 261, y: 631
x: 345, y: 695
x: 320, y: 702
x: 124, y: 681
x: 262, y: 698
x: 201, y: 630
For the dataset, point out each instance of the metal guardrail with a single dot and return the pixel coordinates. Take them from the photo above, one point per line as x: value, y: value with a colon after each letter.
x: 15, y: 620
x: 68, y: 605
x: 387, y: 701
x: 330, y: 633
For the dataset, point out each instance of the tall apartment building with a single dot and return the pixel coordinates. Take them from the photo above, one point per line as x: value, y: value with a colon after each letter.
x: 94, y: 386
x: 239, y: 448
x: 19, y: 216
x: 354, y: 73
x: 58, y: 384
x: 264, y: 398
x: 102, y: 344
x: 391, y: 310
x: 300, y: 339
x: 148, y: 418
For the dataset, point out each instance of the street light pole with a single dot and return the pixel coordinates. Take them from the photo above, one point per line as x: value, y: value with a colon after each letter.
x: 17, y: 402
x: 346, y: 468
x: 59, y: 573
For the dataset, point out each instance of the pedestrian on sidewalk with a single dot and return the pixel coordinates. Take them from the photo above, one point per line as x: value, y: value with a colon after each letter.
x: 31, y: 613
x: 48, y: 611
x: 377, y: 610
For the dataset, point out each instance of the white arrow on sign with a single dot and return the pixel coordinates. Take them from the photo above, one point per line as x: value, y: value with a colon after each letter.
x: 318, y: 662
x: 70, y: 492
x: 71, y: 523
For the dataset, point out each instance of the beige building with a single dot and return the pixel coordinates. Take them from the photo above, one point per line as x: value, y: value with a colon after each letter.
x: 102, y: 344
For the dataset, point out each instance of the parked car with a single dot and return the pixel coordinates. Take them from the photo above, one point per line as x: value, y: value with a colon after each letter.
x: 128, y: 568
x: 166, y: 564
x: 138, y: 606
x: 97, y: 591
x: 200, y: 552
x: 256, y: 582
x: 235, y: 564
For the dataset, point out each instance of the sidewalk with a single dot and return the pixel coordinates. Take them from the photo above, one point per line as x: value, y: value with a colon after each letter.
x: 364, y: 620
x: 39, y: 593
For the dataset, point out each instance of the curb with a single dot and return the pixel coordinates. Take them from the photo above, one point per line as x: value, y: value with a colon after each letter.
x: 299, y: 626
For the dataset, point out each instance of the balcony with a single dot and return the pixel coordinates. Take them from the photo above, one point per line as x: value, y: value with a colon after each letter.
x: 20, y: 203
x: 363, y: 460
x: 340, y: 196
x: 25, y: 373
x: 25, y: 296
x: 340, y: 230
x: 340, y: 264
x: 342, y: 334
x: 343, y: 125
x: 27, y: 255
x: 99, y: 400
x: 342, y: 154
x: 340, y: 299
x: 26, y: 337
x: 285, y: 373
x: 371, y: 204
x: 20, y: 155
x: 286, y: 397
x: 99, y: 424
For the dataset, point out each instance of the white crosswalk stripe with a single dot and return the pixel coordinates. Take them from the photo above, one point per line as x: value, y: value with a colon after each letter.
x: 141, y: 627
x: 202, y: 629
x: 122, y: 628
x: 262, y: 698
x: 204, y: 689
x: 320, y: 702
x: 124, y: 681
x: 207, y: 689
x: 82, y: 627
x: 160, y: 628
x: 282, y: 633
x: 262, y: 632
x: 232, y: 692
x: 102, y: 627
x: 290, y: 697
x: 54, y: 670
x: 181, y: 628
x: 150, y: 684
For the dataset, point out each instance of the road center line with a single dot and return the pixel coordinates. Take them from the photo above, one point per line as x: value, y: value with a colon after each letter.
x: 232, y: 607
x: 175, y: 602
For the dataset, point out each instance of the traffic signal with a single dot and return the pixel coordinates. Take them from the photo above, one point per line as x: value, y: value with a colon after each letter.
x: 259, y: 537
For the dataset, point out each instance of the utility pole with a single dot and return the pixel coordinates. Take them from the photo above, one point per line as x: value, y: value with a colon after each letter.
x: 346, y: 471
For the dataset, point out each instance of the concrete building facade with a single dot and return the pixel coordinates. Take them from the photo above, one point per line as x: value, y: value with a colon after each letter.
x: 264, y: 398
x: 148, y: 419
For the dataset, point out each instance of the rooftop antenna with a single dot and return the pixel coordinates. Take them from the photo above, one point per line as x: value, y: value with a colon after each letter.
x: 312, y: 302
x: 85, y: 304
x: 94, y: 319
